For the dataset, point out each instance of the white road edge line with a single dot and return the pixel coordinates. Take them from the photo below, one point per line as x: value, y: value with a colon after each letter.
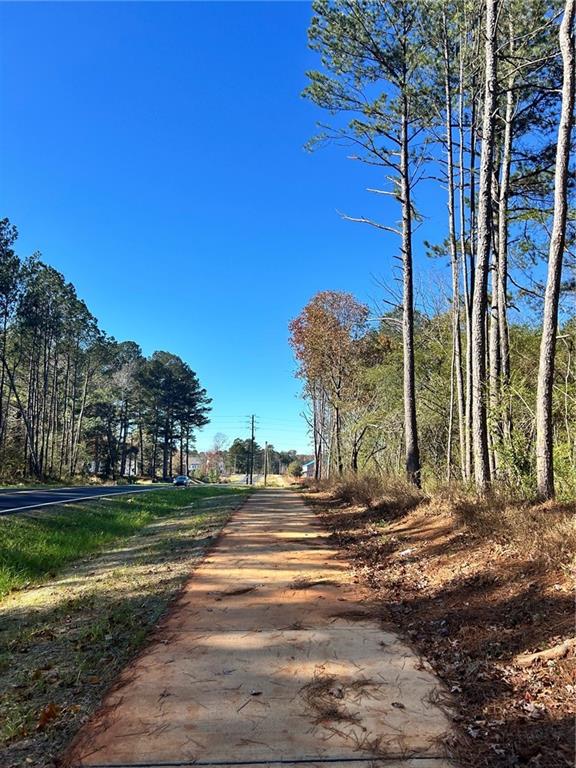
x: 77, y: 498
x: 10, y: 491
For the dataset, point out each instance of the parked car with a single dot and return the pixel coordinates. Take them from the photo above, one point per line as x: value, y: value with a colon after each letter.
x: 181, y: 480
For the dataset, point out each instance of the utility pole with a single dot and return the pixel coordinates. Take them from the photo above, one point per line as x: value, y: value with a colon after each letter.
x: 252, y: 452
x: 265, y: 463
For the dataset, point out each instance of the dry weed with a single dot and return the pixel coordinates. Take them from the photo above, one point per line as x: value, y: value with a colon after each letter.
x: 544, y: 531
x: 377, y: 492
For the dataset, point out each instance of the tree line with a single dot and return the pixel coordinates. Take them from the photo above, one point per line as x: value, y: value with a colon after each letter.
x: 476, y: 99
x: 240, y: 454
x: 73, y: 400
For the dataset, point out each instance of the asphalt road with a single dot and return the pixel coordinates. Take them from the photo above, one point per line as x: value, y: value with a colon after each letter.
x: 12, y: 501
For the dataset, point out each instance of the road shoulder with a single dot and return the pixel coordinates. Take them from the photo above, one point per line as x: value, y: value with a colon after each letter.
x: 63, y: 642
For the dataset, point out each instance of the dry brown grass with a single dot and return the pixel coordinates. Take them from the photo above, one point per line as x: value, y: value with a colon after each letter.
x: 475, y: 583
x: 373, y: 491
x: 315, y: 486
x: 542, y: 531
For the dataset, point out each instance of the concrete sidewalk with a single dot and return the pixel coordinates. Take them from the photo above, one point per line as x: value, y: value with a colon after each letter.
x: 270, y: 655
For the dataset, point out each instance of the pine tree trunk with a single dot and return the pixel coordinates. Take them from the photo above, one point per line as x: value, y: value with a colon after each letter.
x: 165, y: 450
x: 456, y: 338
x: 544, y: 425
x: 187, y: 450
x: 479, y: 301
x: 413, y: 468
x: 317, y: 438
x: 123, y: 438
x: 3, y: 418
x: 450, y: 419
x: 141, y: 442
x: 73, y: 406
x: 76, y: 437
x: 500, y: 417
x: 467, y: 259
x: 338, y: 436
x: 154, y: 462
x: 34, y: 464
x: 502, y: 281
x: 494, y: 366
x: 64, y: 434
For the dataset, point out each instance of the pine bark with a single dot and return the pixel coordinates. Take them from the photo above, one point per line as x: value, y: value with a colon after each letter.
x: 467, y: 254
x: 413, y: 468
x: 479, y: 301
x: 454, y: 261
x: 500, y: 418
x: 502, y: 276
x: 544, y: 428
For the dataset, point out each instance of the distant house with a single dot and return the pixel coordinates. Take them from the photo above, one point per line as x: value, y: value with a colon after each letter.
x: 308, y: 468
x: 194, y: 463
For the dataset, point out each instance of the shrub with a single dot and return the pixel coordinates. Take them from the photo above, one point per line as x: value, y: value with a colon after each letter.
x: 295, y: 469
x: 375, y: 491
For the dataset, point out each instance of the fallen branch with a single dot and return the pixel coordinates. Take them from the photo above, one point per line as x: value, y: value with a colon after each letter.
x: 550, y: 654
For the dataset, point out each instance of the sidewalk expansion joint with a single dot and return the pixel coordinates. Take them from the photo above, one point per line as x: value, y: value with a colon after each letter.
x: 280, y: 761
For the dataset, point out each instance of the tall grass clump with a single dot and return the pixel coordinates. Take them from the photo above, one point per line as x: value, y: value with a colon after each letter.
x: 376, y: 491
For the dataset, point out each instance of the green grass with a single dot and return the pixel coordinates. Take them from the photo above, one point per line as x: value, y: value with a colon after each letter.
x: 35, y: 546
x: 61, y: 648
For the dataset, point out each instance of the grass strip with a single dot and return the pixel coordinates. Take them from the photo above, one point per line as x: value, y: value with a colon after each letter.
x: 64, y: 642
x: 36, y: 545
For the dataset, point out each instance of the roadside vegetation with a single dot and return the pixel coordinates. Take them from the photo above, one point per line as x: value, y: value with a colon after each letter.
x: 443, y: 417
x: 483, y: 591
x: 36, y: 545
x: 64, y: 641
x: 467, y: 374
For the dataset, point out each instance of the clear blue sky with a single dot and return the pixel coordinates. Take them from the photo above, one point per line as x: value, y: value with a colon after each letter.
x: 154, y: 153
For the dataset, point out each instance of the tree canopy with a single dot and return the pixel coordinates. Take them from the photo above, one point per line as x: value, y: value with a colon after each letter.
x: 73, y: 399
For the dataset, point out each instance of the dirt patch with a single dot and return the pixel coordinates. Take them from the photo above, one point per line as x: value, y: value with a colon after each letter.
x: 473, y: 606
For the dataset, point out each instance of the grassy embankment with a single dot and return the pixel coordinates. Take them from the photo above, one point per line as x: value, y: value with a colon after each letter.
x: 38, y: 544
x: 482, y: 588
x: 64, y: 641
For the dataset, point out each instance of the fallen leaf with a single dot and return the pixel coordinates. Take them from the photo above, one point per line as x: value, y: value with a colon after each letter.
x: 49, y: 712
